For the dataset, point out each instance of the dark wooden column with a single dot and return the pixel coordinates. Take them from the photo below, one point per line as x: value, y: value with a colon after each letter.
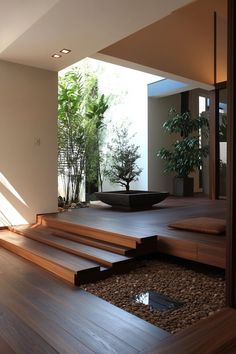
x: 214, y: 124
x: 184, y: 102
x: 213, y: 144
x: 231, y: 158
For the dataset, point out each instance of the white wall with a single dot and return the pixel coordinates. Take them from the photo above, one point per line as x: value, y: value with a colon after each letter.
x: 128, y: 88
x: 158, y: 109
x: 28, y: 143
x: 132, y: 110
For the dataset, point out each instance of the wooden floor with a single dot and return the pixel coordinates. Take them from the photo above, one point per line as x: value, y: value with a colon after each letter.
x: 214, y: 335
x: 39, y: 314
x: 129, y: 228
x: 146, y: 223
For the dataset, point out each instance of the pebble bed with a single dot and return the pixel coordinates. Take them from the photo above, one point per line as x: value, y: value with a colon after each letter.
x: 201, y: 289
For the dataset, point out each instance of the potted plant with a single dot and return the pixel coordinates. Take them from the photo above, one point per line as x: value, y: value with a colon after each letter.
x: 186, y: 153
x: 122, y: 169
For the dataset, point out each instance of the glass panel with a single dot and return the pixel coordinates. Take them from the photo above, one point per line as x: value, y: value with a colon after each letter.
x: 222, y: 141
x: 157, y: 301
x: 203, y: 110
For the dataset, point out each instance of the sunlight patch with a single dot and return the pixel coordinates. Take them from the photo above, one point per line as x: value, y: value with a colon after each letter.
x: 8, y: 214
x: 11, y: 189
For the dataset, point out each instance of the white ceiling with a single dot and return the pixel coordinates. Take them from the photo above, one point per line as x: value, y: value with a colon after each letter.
x: 32, y: 30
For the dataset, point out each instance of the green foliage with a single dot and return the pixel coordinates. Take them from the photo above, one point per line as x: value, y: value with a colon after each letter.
x: 223, y: 128
x: 122, y: 167
x: 96, y: 108
x: 185, y: 154
x: 80, y: 121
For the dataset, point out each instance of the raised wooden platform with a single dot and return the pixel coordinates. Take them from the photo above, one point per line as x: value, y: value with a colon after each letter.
x: 89, y: 244
x: 134, y: 228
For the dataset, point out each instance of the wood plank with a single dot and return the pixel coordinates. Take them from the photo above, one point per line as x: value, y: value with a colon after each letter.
x: 22, y: 338
x: 42, y: 326
x: 126, y: 251
x: 92, y: 336
x: 176, y: 247
x: 199, y: 252
x: 212, y: 255
x: 5, y: 347
x: 229, y: 347
x: 197, y: 237
x: 69, y: 267
x: 212, y: 335
x: 91, y: 232
x: 103, y: 257
x: 108, y: 246
x: 64, y: 259
x: 52, y: 268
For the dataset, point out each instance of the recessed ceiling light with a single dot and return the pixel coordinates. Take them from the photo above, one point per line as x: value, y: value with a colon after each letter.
x: 56, y: 56
x: 65, y: 51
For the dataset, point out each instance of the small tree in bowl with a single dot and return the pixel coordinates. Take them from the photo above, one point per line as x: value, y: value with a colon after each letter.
x: 122, y: 167
x: 185, y: 154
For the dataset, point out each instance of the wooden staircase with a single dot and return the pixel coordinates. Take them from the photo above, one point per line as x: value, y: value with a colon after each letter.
x: 75, y: 253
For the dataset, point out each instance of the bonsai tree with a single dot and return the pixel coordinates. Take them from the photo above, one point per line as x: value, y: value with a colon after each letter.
x: 122, y: 167
x: 186, y: 154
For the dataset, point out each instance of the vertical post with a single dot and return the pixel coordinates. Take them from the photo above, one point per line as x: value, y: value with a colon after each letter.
x: 215, y: 46
x: 184, y: 102
x: 214, y: 123
x: 231, y: 159
x: 214, y: 144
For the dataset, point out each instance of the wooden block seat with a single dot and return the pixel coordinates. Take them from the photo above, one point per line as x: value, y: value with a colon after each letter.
x: 201, y: 224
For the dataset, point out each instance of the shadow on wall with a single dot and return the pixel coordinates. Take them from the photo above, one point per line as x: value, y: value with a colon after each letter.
x: 10, y: 203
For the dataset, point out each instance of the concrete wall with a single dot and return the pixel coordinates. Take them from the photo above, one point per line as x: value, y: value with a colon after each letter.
x: 28, y: 143
x: 158, y: 109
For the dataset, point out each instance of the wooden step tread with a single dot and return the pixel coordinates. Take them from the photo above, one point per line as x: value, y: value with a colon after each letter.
x: 84, y: 230
x: 68, y: 261
x: 108, y: 246
x: 98, y: 255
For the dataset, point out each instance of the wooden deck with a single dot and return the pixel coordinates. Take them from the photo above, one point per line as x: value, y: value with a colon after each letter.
x: 89, y: 244
x: 42, y: 315
x: 130, y: 228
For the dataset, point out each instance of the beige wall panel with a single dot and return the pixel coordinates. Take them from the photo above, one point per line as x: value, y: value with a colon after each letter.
x: 28, y: 143
x: 158, y: 109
